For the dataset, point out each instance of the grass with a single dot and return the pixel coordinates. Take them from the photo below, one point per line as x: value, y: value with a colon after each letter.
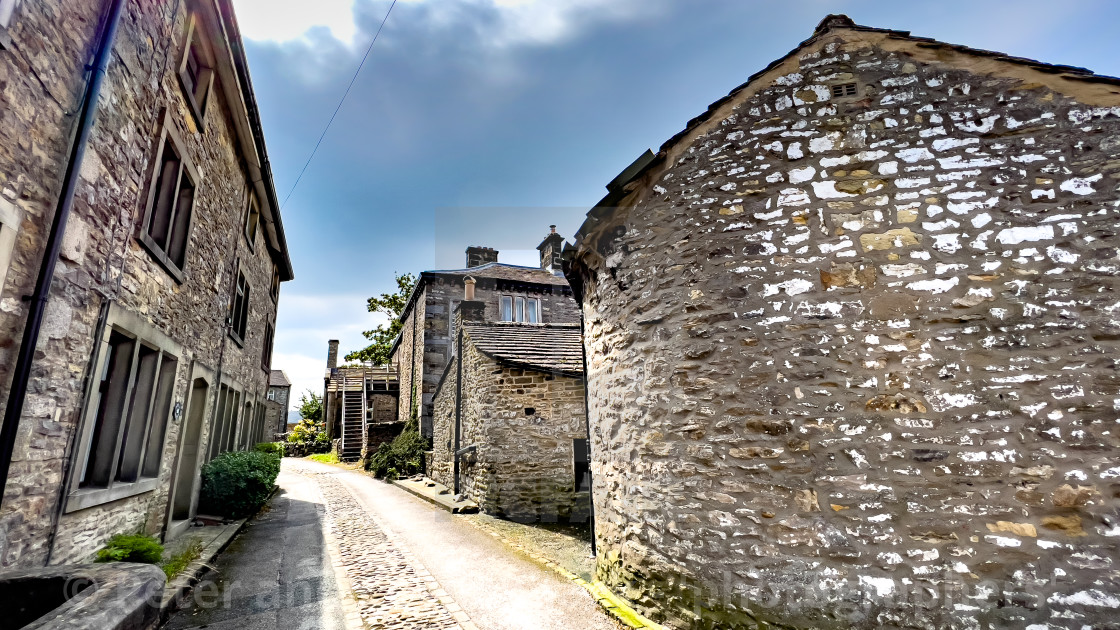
x: 324, y: 458
x: 180, y: 561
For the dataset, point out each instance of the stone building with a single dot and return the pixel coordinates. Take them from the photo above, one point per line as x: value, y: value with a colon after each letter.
x: 276, y: 406
x: 360, y: 405
x: 155, y: 346
x: 852, y: 346
x: 510, y: 292
x: 510, y: 428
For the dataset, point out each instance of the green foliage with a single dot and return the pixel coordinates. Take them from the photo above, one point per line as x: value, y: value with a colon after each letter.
x: 390, y: 304
x: 237, y: 483
x: 276, y: 448
x: 402, y: 457
x: 131, y: 548
x: 180, y: 561
x: 311, y: 406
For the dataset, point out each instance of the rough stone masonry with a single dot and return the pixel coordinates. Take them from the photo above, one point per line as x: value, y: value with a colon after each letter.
x: 852, y: 344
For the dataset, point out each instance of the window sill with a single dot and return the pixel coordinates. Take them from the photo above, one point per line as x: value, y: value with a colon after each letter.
x: 165, y: 262
x: 90, y: 497
x: 236, y: 339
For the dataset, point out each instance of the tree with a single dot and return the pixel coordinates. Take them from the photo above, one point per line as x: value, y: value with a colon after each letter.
x: 390, y: 304
x: 311, y: 406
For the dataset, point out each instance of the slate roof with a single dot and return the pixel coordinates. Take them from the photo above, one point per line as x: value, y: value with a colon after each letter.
x: 544, y: 347
x: 502, y: 271
x: 277, y: 378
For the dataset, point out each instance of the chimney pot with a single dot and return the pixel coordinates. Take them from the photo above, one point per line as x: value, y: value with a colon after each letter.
x: 468, y: 289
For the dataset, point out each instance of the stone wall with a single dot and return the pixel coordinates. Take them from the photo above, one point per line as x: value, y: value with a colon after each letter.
x: 853, y: 361
x: 523, y: 423
x: 102, y: 260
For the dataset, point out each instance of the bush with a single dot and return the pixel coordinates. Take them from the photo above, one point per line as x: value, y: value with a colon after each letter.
x: 403, y: 457
x: 311, y: 436
x: 276, y: 448
x: 237, y: 483
x: 131, y: 548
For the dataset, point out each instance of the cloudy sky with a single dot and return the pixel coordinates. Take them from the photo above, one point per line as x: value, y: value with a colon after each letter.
x: 481, y: 122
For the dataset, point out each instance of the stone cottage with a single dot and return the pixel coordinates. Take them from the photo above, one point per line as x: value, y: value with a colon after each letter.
x: 511, y: 293
x: 510, y: 428
x: 360, y: 405
x: 154, y: 348
x: 852, y: 344
x: 276, y: 403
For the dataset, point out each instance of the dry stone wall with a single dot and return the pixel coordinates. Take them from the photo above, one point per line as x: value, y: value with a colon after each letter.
x: 101, y: 259
x: 853, y: 361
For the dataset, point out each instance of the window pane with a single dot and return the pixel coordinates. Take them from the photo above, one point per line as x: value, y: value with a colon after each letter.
x: 177, y: 247
x: 519, y: 309
x: 161, y: 408
x: 231, y: 427
x: 532, y: 310
x: 216, y: 429
x: 243, y: 322
x: 128, y: 468
x: 507, y: 308
x: 159, y: 225
x: 113, y: 390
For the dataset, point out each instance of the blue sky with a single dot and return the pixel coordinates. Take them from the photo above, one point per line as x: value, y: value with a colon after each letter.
x: 481, y: 122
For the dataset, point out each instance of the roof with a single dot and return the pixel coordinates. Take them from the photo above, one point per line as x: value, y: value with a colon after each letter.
x: 934, y: 49
x: 277, y: 378
x: 544, y: 347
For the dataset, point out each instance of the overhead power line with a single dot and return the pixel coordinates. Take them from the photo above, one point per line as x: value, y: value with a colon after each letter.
x: 340, y: 102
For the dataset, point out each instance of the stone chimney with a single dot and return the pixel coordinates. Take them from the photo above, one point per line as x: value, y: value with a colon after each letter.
x: 550, y: 249
x: 332, y: 354
x: 478, y: 256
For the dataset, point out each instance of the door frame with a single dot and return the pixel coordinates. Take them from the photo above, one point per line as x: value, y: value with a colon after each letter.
x: 173, y: 528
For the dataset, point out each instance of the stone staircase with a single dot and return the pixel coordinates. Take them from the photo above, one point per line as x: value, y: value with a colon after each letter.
x: 352, y: 392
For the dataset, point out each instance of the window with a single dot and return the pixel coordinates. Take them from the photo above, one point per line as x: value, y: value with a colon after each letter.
x: 167, y: 220
x: 520, y: 309
x: 196, y: 71
x: 239, y: 310
x: 126, y: 418
x: 844, y: 89
x: 9, y: 226
x: 252, y: 218
x: 266, y: 353
x: 274, y: 288
x: 272, y: 393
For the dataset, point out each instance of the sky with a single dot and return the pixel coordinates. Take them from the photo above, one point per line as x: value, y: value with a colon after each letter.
x: 482, y: 122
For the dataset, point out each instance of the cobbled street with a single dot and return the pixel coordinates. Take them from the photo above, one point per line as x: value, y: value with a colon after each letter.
x: 398, y: 563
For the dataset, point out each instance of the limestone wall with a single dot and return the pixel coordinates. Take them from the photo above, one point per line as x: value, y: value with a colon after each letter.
x: 102, y: 261
x: 853, y: 361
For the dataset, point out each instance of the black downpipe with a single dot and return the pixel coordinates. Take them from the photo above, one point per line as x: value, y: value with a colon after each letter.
x: 587, y: 426
x: 458, y: 401
x: 22, y: 371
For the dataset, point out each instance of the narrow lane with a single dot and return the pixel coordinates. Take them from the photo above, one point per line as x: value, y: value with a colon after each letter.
x: 495, y: 586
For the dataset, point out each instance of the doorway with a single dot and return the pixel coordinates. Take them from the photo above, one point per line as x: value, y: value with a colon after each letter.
x: 186, y: 471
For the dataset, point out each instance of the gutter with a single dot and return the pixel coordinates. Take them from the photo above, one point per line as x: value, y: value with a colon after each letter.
x: 24, y: 360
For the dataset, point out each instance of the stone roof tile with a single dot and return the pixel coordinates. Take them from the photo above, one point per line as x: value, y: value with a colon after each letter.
x: 544, y: 347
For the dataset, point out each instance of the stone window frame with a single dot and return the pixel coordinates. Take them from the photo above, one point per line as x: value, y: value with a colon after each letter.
x: 122, y: 323
x: 513, y: 298
x: 10, y: 219
x: 266, y: 351
x: 197, y: 90
x: 252, y: 221
x: 225, y: 421
x: 274, y: 287
x: 239, y: 309
x: 169, y: 137
x: 7, y: 12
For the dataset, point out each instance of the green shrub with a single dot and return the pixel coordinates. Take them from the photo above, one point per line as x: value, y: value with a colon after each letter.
x: 402, y: 457
x: 277, y: 448
x: 237, y: 483
x: 131, y: 548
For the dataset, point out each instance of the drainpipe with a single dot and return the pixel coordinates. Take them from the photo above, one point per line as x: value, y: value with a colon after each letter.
x: 87, y: 115
x: 458, y: 401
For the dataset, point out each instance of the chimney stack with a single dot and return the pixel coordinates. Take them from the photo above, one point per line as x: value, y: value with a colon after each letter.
x: 550, y: 249
x: 468, y: 289
x: 332, y: 354
x: 478, y: 256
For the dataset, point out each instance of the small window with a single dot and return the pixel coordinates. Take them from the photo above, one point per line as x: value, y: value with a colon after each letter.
x: 167, y: 221
x: 252, y: 218
x: 133, y: 401
x: 266, y: 353
x: 520, y: 309
x: 274, y: 288
x: 239, y: 309
x: 507, y: 308
x: 271, y: 393
x: 843, y: 89
x: 196, y: 71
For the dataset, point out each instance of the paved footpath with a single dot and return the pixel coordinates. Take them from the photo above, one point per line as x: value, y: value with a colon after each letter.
x: 414, y: 566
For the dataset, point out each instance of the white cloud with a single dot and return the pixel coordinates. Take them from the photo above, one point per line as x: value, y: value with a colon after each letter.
x: 287, y: 20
